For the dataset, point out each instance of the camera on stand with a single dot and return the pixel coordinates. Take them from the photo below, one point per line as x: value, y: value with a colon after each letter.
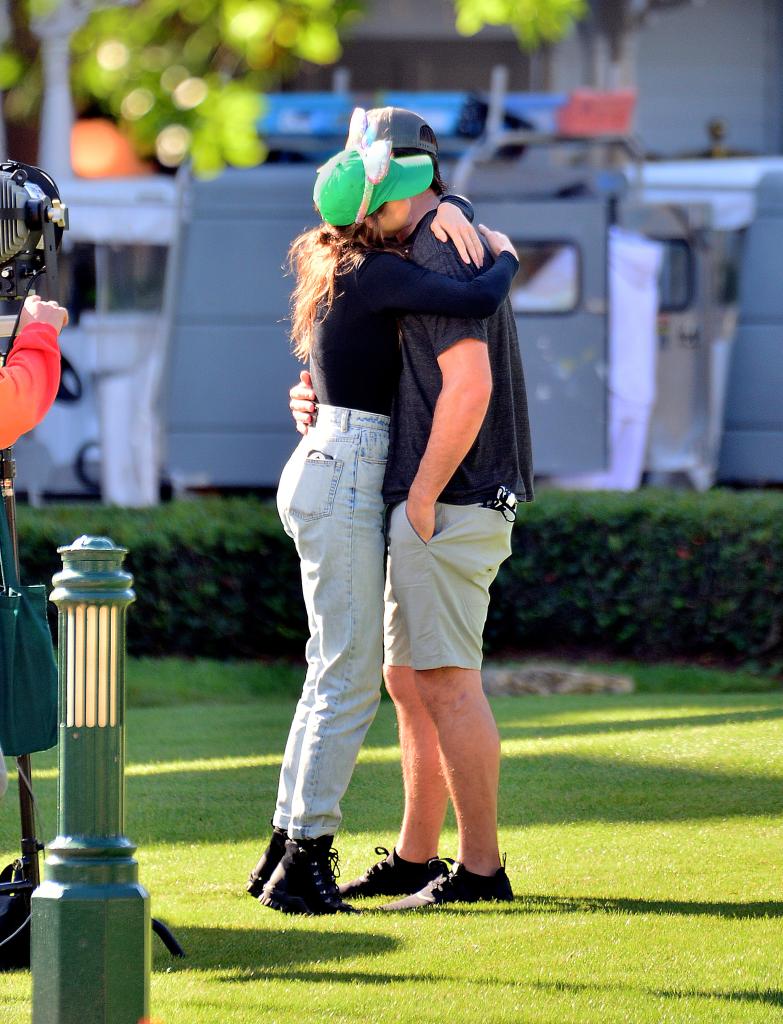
x: 32, y: 221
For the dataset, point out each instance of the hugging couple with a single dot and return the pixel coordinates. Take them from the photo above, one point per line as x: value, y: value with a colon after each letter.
x: 400, y: 500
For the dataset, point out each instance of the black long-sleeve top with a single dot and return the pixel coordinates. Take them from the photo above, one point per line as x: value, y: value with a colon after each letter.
x: 355, y: 358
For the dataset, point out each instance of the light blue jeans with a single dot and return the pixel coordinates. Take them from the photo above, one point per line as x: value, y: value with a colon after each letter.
x: 330, y: 503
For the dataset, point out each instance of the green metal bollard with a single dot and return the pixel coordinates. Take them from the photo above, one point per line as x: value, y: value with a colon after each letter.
x: 90, y: 944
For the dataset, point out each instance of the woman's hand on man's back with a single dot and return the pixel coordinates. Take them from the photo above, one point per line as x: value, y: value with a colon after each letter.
x: 450, y: 222
x: 302, y: 402
x: 497, y: 241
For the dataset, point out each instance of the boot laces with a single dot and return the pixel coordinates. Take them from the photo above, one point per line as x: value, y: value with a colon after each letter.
x: 382, y: 865
x: 326, y: 869
x: 446, y: 881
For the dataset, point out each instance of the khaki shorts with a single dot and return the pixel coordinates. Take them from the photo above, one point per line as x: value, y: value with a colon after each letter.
x: 437, y: 594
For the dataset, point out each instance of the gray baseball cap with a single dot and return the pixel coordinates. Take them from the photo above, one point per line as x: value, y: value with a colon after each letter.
x: 403, y: 127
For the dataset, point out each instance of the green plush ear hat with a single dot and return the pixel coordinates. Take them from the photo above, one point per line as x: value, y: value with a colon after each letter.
x: 357, y: 182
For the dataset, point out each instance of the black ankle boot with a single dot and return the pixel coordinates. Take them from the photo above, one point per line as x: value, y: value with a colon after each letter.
x: 270, y: 858
x: 304, y: 880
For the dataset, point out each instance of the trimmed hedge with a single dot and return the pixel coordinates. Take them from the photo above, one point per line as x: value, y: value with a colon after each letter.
x: 215, y: 578
x: 658, y: 573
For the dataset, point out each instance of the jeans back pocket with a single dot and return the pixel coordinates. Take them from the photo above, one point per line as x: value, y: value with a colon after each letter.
x: 374, y: 447
x: 308, y: 486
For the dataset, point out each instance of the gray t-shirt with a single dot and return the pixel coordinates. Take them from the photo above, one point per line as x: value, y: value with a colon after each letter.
x: 501, y: 453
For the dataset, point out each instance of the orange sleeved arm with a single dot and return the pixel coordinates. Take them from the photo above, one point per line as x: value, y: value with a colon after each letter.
x: 29, y: 381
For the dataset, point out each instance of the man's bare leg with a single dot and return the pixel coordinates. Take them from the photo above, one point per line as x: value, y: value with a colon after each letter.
x: 426, y: 793
x: 470, y: 746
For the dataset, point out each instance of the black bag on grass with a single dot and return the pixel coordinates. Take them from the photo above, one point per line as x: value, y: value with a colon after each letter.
x: 14, y: 924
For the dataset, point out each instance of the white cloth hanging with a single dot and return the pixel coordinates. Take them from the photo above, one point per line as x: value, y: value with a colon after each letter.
x: 634, y: 266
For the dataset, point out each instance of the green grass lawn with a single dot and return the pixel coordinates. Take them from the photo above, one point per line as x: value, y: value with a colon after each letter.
x: 644, y: 844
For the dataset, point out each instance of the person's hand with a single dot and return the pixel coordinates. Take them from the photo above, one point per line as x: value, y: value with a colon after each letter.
x: 451, y: 223
x: 302, y: 404
x: 421, y: 516
x: 36, y: 311
x: 497, y: 241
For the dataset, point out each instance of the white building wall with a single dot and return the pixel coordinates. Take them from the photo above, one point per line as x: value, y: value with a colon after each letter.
x: 719, y: 58
x: 696, y: 63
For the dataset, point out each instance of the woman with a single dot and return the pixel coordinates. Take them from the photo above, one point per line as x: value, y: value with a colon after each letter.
x: 350, y: 283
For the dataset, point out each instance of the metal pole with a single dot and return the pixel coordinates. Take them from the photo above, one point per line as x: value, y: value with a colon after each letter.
x: 91, y: 936
x: 498, y: 90
x: 341, y: 80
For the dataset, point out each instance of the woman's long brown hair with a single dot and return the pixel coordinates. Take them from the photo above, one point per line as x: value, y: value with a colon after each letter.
x: 316, y: 258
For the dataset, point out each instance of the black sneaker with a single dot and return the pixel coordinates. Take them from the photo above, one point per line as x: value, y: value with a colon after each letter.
x: 304, y: 880
x: 270, y: 858
x: 459, y: 886
x: 393, y: 876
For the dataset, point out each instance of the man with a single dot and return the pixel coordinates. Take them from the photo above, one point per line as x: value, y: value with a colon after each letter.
x: 28, y: 385
x: 459, y: 451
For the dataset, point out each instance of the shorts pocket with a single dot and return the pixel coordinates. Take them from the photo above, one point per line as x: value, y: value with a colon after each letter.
x: 308, y: 486
x: 414, y: 531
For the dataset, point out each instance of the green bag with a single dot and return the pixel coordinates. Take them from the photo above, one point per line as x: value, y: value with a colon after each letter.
x: 28, y: 673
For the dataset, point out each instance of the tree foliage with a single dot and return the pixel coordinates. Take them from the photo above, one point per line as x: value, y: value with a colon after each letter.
x: 187, y: 77
x: 534, y: 21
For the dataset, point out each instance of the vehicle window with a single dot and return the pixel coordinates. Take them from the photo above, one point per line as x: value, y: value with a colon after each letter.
x: 131, y: 277
x: 548, y: 280
x: 676, y: 280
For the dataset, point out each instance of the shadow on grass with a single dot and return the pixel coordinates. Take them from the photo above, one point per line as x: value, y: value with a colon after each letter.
x: 234, y: 803
x: 686, y: 908
x: 767, y: 997
x: 248, y: 955
x: 551, y: 789
x: 529, y: 903
x: 252, y: 953
x: 639, y: 724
